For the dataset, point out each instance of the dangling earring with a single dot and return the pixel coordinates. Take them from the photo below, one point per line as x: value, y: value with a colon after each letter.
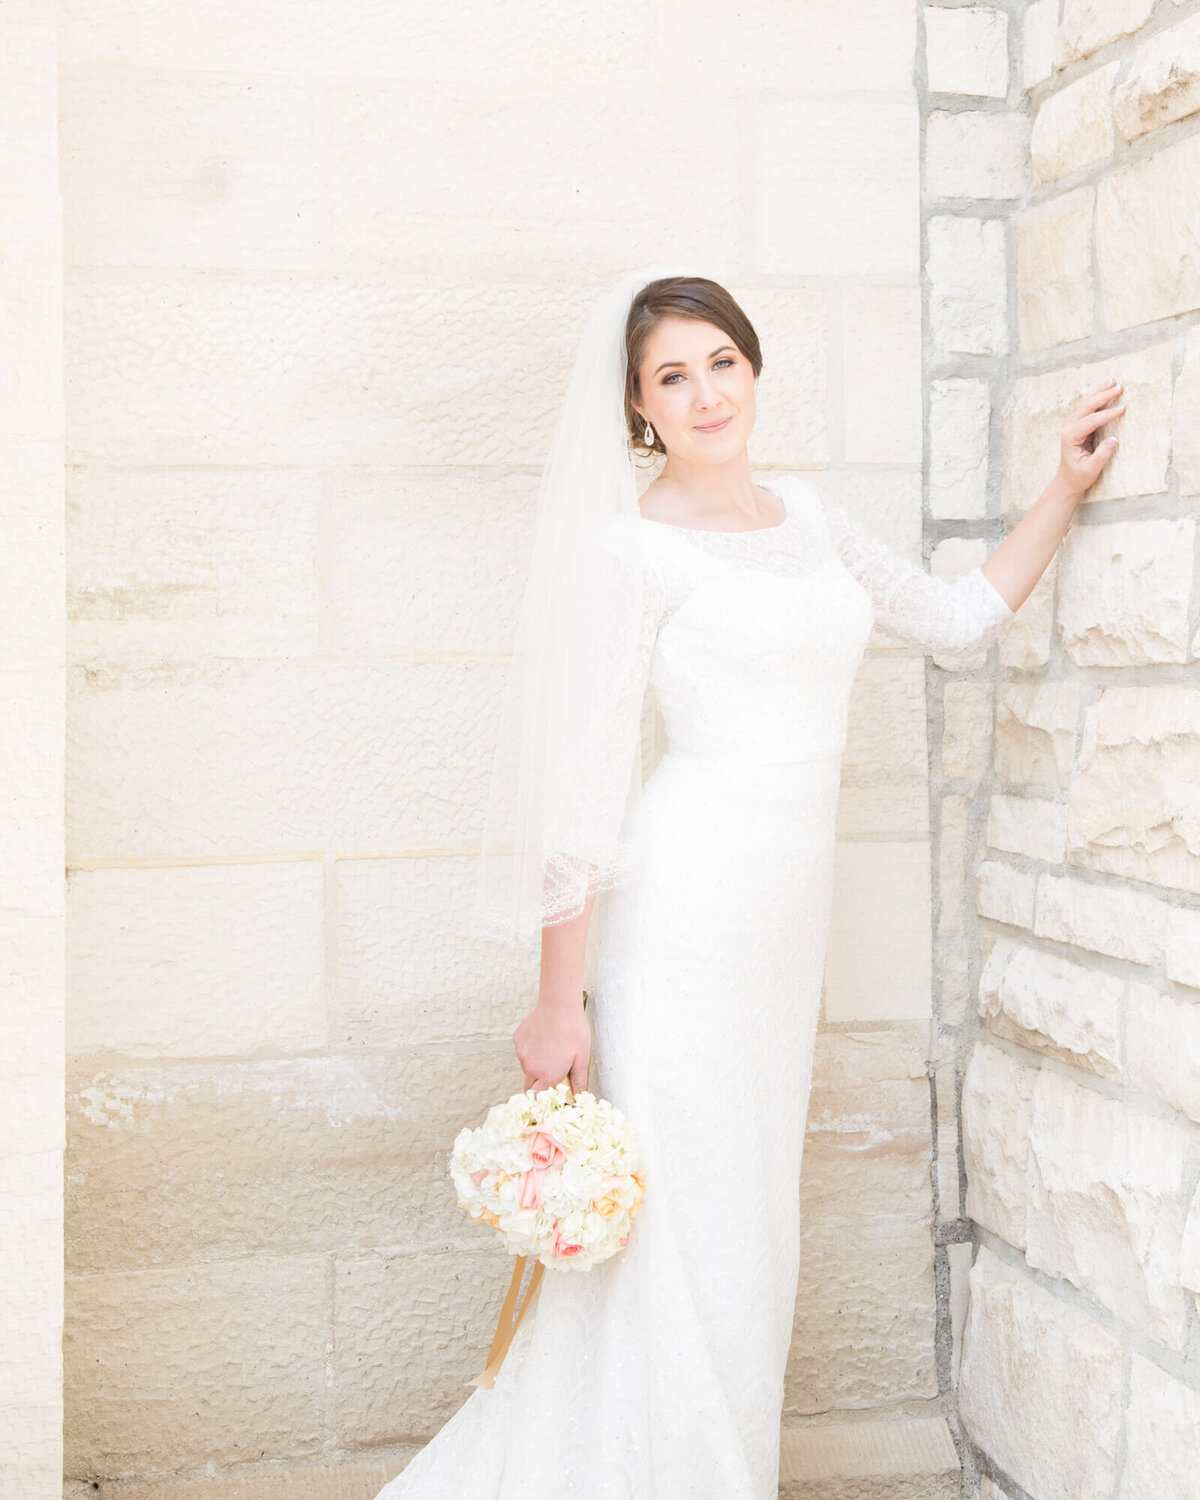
x: 648, y: 436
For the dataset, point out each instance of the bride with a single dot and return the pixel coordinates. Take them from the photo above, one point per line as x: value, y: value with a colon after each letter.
x: 694, y: 907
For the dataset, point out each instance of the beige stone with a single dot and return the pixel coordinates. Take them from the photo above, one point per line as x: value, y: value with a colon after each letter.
x: 1105, y: 1207
x: 1054, y: 270
x: 1135, y: 800
x: 1040, y: 1390
x: 791, y: 426
x: 183, y: 1365
x: 1035, y: 732
x: 966, y: 50
x: 885, y: 776
x: 843, y: 1459
x: 1039, y: 25
x: 1088, y: 25
x: 1053, y: 1006
x: 1183, y: 947
x: 1185, y: 418
x: 1163, y: 1047
x: 1124, y: 591
x: 968, y: 283
x: 1190, y: 1255
x: 975, y: 153
x: 1004, y: 894
x: 959, y: 417
x: 1147, y: 213
x: 1073, y: 128
x: 958, y: 1257
x: 881, y: 374
x: 967, y: 728
x: 997, y: 1112
x: 1028, y: 825
x: 1161, y: 1424
x: 1040, y: 405
x: 879, y: 969
x: 1108, y: 919
x: 952, y: 862
x: 422, y: 974
x: 1026, y: 642
x: 835, y: 213
x: 1163, y: 81
x: 206, y: 960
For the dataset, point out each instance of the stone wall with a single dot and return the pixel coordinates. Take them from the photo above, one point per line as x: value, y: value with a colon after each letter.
x: 31, y: 754
x: 1068, y: 774
x: 325, y: 270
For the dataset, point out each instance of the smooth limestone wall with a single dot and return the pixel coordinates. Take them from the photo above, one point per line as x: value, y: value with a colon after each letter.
x: 325, y: 267
x: 32, y: 981
x: 1069, y: 1004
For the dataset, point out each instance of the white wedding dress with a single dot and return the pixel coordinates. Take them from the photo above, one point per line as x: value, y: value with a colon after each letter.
x: 658, y: 1374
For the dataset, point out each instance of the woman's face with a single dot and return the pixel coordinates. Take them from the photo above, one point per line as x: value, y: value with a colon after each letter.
x: 697, y: 390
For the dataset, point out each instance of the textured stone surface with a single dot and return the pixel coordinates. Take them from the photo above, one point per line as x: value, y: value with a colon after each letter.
x: 975, y: 153
x: 1026, y: 642
x: 237, y: 758
x: 1145, y: 276
x: 879, y: 971
x: 1039, y: 406
x: 1039, y: 24
x: 844, y: 211
x: 1073, y: 128
x: 1163, y: 1047
x: 420, y: 974
x: 1087, y: 25
x: 881, y: 374
x: 862, y: 1460
x: 952, y: 864
x: 1123, y: 592
x: 1035, y: 732
x: 1028, y: 825
x: 1185, y: 417
x: 885, y: 779
x: 1054, y: 270
x: 967, y: 729
x: 959, y: 417
x: 1004, y: 894
x: 1104, y: 918
x: 184, y: 1365
x: 1162, y: 1422
x: 212, y: 960
x: 966, y: 50
x: 1163, y: 81
x: 997, y: 1105
x: 1183, y: 947
x: 1105, y: 1204
x: 1041, y: 1385
x: 1053, y: 1006
x: 968, y: 291
x: 1135, y: 799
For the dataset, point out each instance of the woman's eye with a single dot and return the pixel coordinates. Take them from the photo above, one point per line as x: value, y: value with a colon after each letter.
x: 724, y: 360
x: 670, y: 378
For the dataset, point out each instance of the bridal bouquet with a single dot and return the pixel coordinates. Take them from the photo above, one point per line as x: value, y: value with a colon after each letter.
x: 557, y: 1175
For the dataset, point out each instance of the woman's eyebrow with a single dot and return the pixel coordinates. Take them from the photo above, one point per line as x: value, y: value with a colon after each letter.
x: 671, y: 362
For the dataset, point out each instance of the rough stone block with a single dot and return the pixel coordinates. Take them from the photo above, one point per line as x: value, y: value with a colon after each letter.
x: 1105, y: 1204
x: 1163, y: 81
x: 1123, y: 923
x: 1134, y: 799
x: 1035, y: 732
x: 1088, y: 25
x: 1053, y: 1006
x: 1161, y: 1424
x: 959, y: 416
x: 1004, y: 894
x: 885, y: 777
x: 879, y: 969
x: 1143, y: 276
x: 1162, y: 1042
x: 1185, y: 418
x: 199, y: 961
x: 1054, y: 270
x: 975, y: 153
x: 1041, y: 1385
x: 1183, y: 947
x: 1124, y: 591
x: 1037, y: 51
x: 1026, y: 642
x: 966, y: 50
x: 185, y: 1365
x: 968, y: 297
x: 997, y: 1111
x: 1074, y: 128
x: 1040, y: 405
x: 967, y: 730
x: 1028, y: 825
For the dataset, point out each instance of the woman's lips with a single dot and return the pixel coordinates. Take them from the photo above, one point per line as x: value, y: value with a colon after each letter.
x: 715, y: 426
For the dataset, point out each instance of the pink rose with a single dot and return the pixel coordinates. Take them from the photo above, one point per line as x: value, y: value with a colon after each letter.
x: 561, y: 1248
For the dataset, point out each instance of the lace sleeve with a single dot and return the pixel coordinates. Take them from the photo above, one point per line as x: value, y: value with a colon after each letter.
x: 910, y: 604
x: 601, y: 773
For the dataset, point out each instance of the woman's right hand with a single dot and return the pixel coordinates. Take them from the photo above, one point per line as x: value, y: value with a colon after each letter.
x: 554, y: 1041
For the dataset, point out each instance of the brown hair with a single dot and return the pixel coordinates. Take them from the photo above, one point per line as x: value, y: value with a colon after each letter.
x: 685, y: 297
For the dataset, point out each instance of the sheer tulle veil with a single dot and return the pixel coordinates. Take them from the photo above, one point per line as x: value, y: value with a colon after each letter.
x: 549, y: 834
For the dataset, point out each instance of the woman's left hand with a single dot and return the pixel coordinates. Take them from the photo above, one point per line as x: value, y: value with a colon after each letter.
x: 1081, y: 458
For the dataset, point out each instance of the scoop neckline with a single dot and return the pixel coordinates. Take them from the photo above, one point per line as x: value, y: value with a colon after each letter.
x: 719, y: 531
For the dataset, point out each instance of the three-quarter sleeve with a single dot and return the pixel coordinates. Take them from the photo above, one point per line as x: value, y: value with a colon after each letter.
x: 955, y: 617
x: 598, y: 776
